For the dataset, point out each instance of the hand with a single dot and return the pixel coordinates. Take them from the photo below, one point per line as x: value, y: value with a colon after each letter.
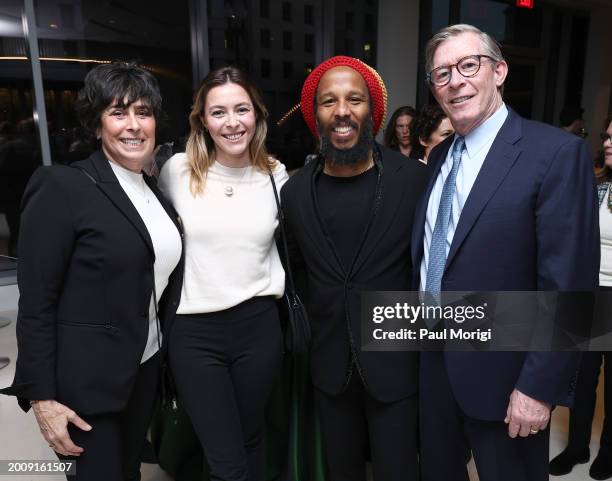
x: 526, y: 415
x: 53, y: 419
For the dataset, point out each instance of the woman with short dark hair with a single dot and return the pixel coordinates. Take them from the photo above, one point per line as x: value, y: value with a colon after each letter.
x: 430, y: 127
x: 581, y: 413
x: 100, y: 274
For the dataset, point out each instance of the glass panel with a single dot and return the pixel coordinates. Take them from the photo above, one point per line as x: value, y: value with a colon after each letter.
x: 356, y: 29
x: 74, y: 37
x: 290, y: 34
x: 19, y: 143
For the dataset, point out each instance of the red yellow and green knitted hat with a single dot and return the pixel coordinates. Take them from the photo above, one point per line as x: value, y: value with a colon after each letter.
x: 376, y: 86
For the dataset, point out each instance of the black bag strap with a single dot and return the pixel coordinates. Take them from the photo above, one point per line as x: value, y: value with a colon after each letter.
x: 283, y: 234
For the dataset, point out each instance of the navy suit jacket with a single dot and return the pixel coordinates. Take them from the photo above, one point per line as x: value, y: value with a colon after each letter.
x: 529, y: 223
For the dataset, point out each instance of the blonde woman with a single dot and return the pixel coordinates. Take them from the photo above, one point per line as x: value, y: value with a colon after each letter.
x: 225, y: 346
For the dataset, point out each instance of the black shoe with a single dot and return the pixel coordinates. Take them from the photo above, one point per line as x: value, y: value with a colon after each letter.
x: 565, y: 462
x: 601, y: 467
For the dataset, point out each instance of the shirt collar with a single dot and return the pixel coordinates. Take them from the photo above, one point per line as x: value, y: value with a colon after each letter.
x: 481, y: 135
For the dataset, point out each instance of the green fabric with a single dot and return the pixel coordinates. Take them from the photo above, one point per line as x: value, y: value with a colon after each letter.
x: 176, y: 444
x: 293, y: 443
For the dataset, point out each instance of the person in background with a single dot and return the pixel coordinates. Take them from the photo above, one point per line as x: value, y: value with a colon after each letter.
x: 99, y: 278
x: 581, y: 414
x: 430, y: 127
x: 571, y: 121
x: 397, y: 133
x: 225, y: 348
x: 19, y: 158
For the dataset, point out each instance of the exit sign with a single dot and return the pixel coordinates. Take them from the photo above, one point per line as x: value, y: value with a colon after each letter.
x: 524, y: 3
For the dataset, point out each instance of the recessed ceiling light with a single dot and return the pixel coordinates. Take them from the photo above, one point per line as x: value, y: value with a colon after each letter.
x: 53, y: 25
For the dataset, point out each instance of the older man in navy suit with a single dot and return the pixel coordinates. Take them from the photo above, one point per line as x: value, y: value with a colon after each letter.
x: 510, y: 206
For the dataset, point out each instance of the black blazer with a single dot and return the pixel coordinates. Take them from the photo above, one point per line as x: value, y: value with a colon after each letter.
x: 85, y: 276
x: 382, y: 263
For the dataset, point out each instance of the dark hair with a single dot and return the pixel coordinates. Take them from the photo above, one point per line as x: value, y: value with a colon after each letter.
x: 122, y: 83
x: 423, y: 125
x: 200, y: 145
x: 390, y: 134
x: 603, y: 173
x: 569, y: 114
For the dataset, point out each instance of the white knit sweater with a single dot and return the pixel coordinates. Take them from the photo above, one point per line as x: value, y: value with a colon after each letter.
x: 230, y: 254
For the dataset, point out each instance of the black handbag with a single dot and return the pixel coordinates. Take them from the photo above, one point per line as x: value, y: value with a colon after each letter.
x: 296, y: 327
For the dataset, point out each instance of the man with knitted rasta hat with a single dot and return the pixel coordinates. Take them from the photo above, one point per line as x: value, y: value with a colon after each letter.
x: 349, y: 214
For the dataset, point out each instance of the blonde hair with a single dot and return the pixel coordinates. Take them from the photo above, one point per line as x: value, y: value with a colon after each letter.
x: 200, y: 146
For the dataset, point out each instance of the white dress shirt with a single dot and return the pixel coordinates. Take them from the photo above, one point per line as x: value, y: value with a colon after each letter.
x: 477, y: 145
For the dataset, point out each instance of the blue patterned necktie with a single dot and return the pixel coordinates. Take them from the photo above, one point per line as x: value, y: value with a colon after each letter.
x: 437, y: 248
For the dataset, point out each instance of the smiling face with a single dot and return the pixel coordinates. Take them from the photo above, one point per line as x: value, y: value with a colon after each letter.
x: 402, y: 130
x: 128, y: 134
x: 342, y: 106
x: 229, y: 116
x: 468, y: 102
x: 607, y: 146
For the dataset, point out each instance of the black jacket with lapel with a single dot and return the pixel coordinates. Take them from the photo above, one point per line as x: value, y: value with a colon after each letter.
x: 85, y: 277
x: 334, y: 294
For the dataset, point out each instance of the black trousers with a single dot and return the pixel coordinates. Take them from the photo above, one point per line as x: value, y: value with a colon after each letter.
x: 581, y: 414
x: 225, y: 365
x: 113, y: 447
x: 444, y: 429
x: 353, y: 420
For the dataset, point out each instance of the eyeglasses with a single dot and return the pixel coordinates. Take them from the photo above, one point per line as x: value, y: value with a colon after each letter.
x: 466, y: 66
x: 606, y: 136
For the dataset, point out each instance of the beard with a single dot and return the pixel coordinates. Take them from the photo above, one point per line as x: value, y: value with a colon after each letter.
x: 352, y: 155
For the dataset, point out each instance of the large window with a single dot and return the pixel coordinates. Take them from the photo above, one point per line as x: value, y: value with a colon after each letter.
x: 295, y: 37
x: 355, y: 32
x: 287, y: 32
x: 276, y: 41
x: 20, y: 152
x: 74, y: 37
